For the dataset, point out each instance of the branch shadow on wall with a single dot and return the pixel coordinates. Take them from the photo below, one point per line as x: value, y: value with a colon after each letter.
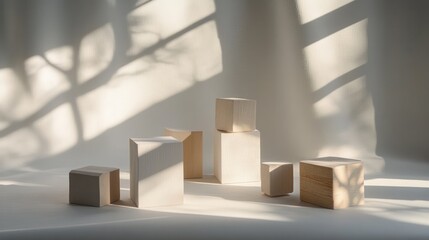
x: 80, y: 20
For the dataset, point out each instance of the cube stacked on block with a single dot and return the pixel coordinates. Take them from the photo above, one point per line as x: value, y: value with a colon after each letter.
x: 237, y: 141
x: 192, y: 151
x: 332, y: 182
x: 94, y: 186
x: 235, y: 114
x: 276, y: 178
x: 156, y: 171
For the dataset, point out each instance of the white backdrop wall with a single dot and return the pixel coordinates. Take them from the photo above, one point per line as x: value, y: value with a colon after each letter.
x: 337, y: 77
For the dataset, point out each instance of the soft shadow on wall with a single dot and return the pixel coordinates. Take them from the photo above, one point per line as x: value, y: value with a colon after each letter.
x: 398, y: 76
x: 76, y: 86
x: 261, y: 45
x: 335, y: 48
x: 366, y: 62
x: 306, y: 62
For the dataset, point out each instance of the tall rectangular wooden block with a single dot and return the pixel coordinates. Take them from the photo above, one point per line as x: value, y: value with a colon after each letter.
x: 94, y: 186
x: 332, y: 182
x: 235, y: 114
x: 192, y: 151
x: 156, y: 171
x: 237, y: 156
x: 276, y: 178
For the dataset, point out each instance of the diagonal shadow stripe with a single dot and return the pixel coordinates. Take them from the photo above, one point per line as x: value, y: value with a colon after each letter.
x: 334, y: 21
x: 99, y: 80
x: 105, y: 76
x: 338, y: 82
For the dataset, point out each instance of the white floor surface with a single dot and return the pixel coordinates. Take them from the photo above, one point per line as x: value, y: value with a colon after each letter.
x: 34, y: 205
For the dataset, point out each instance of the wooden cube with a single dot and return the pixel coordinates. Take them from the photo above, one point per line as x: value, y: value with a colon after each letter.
x: 94, y: 186
x: 276, y: 178
x: 192, y: 151
x: 235, y: 114
x: 156, y: 171
x: 332, y: 182
x: 237, y: 156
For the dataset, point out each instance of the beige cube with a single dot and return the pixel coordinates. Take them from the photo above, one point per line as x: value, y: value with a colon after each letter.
x: 94, y: 186
x: 235, y: 114
x: 156, y: 171
x: 237, y: 156
x: 332, y: 182
x: 276, y: 178
x: 192, y: 151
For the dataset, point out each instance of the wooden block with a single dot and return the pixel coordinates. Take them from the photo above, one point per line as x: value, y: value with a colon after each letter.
x: 237, y: 156
x: 156, y: 171
x: 94, y: 186
x: 332, y: 182
x: 192, y: 151
x: 235, y: 114
x: 276, y: 178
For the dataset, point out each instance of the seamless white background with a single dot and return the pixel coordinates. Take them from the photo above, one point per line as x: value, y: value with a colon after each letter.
x: 336, y: 77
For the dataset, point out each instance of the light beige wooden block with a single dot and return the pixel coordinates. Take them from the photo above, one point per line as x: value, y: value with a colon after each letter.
x: 192, y: 151
x: 332, y: 182
x: 156, y: 171
x: 276, y: 178
x: 235, y: 114
x: 94, y: 186
x: 237, y: 156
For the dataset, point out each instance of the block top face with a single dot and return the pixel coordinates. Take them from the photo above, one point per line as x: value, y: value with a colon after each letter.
x: 160, y: 139
x: 236, y: 99
x: 276, y: 163
x: 93, y: 170
x: 179, y: 133
x: 181, y: 130
x: 231, y: 134
x: 331, y: 162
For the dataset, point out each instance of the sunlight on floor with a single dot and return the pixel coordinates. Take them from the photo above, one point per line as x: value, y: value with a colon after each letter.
x: 206, y: 199
x: 402, y: 210
x: 219, y: 207
x: 392, y: 182
x: 16, y: 183
x: 415, y: 212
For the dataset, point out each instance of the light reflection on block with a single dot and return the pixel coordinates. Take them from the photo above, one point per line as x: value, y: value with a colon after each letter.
x: 332, y: 182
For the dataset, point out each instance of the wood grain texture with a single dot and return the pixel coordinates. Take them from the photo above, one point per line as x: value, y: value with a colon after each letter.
x: 276, y: 178
x: 235, y: 114
x: 192, y: 151
x: 237, y: 156
x: 332, y: 182
x: 94, y: 186
x: 156, y: 171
